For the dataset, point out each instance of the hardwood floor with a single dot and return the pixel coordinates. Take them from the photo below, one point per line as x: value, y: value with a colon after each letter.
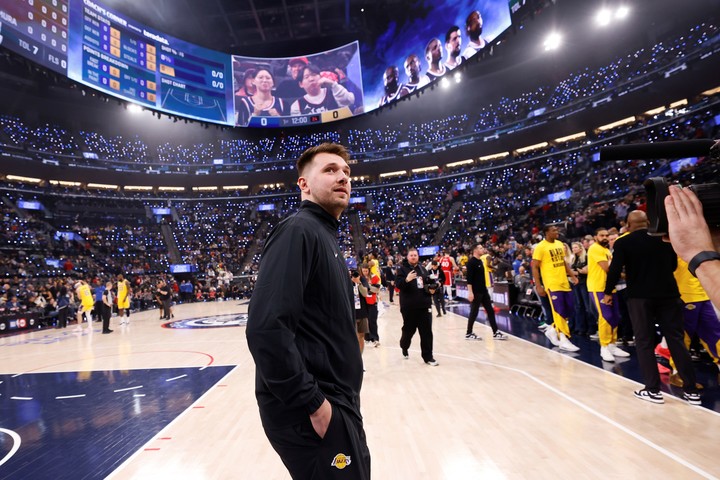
x: 492, y: 409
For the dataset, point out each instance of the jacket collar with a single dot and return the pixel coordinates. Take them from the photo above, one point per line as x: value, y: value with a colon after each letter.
x: 321, y: 213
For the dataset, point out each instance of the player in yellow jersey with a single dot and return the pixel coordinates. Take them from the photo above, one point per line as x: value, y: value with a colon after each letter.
x: 548, y: 262
x: 87, y: 302
x: 123, y: 299
x: 599, y: 257
x: 699, y: 316
x: 486, y: 260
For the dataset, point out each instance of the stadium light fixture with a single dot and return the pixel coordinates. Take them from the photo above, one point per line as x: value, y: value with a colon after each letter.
x: 102, y: 186
x: 603, y: 17
x: 710, y: 93
x: 171, y: 189
x: 137, y: 188
x: 570, y: 138
x: 619, y: 123
x: 393, y: 174
x: 204, y: 189
x: 460, y: 163
x: 17, y: 178
x: 235, y: 187
x: 424, y: 169
x: 445, y: 83
x: 655, y: 111
x: 622, y: 12
x: 64, y: 183
x: 458, y: 77
x: 530, y: 148
x: 679, y: 103
x: 552, y: 41
x: 493, y: 156
x: 134, y: 108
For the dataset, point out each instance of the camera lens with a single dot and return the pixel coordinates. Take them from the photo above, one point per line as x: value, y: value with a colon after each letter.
x: 657, y: 190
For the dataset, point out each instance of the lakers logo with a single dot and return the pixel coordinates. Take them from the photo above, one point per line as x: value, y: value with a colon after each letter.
x: 340, y: 461
x: 690, y: 306
x: 554, y: 297
x: 228, y: 320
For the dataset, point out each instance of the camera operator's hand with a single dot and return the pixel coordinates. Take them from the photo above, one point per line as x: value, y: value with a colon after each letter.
x: 688, y: 231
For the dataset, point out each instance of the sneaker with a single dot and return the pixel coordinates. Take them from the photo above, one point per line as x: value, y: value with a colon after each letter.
x: 499, y: 335
x: 662, y: 369
x: 438, y: 315
x: 552, y: 335
x: 375, y: 344
x: 405, y: 353
x: 617, y: 352
x: 472, y: 336
x: 662, y: 352
x: 648, y: 396
x: 692, y: 398
x: 542, y: 326
x: 594, y: 337
x: 432, y: 362
x: 606, y: 354
x: 566, y: 344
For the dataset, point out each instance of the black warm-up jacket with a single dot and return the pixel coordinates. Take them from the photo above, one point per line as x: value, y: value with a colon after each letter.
x: 301, y: 327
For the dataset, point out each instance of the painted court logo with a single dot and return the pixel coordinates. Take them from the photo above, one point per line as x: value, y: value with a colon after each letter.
x: 341, y: 461
x: 214, y: 321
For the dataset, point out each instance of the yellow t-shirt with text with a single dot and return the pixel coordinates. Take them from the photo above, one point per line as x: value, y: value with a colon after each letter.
x: 690, y: 289
x: 597, y: 277
x: 552, y: 265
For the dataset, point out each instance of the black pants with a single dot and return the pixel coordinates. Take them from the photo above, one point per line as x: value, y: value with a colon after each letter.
x: 372, y: 335
x: 62, y: 317
x: 166, y: 304
x: 668, y: 314
x: 391, y: 290
x: 341, y: 454
x: 439, y: 301
x: 105, y: 313
x: 418, y: 319
x: 482, y: 297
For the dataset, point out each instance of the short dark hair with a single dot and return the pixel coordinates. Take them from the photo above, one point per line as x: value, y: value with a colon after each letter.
x: 308, y: 155
x: 474, y: 246
x: 600, y: 229
x: 313, y: 68
x: 450, y: 31
x: 547, y: 227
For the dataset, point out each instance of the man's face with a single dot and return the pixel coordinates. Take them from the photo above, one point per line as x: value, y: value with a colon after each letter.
x: 412, y: 257
x: 390, y: 79
x: 612, y: 238
x: 475, y: 25
x: 454, y: 44
x: 326, y: 181
x: 602, y: 238
x: 412, y: 66
x: 434, y: 54
x: 552, y: 234
x: 295, y: 69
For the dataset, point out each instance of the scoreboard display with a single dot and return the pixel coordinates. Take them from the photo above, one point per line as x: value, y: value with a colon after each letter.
x: 36, y: 29
x: 117, y: 55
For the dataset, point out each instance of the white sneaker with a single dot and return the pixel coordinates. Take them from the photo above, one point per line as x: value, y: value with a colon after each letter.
x: 566, y: 345
x: 552, y: 335
x: 616, y: 352
x: 606, y: 354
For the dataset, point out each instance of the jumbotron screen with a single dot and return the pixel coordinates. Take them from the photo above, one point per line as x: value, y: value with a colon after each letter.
x: 108, y: 51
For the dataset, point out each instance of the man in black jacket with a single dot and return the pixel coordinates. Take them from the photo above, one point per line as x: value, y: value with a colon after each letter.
x: 416, y: 305
x: 302, y: 333
x: 652, y: 297
x: 478, y: 295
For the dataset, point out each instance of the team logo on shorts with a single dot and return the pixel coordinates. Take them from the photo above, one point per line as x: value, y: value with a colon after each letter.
x: 554, y: 297
x: 341, y: 461
x: 690, y: 306
x: 213, y: 321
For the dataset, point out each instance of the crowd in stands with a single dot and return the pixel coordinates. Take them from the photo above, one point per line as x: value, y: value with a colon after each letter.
x: 268, y: 154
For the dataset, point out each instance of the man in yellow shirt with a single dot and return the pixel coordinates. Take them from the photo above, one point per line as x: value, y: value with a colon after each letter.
x: 550, y: 273
x: 699, y: 316
x: 87, y: 302
x: 123, y: 299
x: 608, y: 315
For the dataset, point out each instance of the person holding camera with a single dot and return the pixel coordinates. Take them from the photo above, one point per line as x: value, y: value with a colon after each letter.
x: 416, y: 291
x: 652, y: 298
x: 437, y: 275
x: 478, y: 295
x: 691, y: 239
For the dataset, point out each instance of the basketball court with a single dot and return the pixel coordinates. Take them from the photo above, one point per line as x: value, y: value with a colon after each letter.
x: 154, y: 402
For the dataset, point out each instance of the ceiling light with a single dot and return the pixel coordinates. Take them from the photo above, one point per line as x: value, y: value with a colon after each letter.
x: 603, y: 17
x: 622, y: 11
x: 552, y: 41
